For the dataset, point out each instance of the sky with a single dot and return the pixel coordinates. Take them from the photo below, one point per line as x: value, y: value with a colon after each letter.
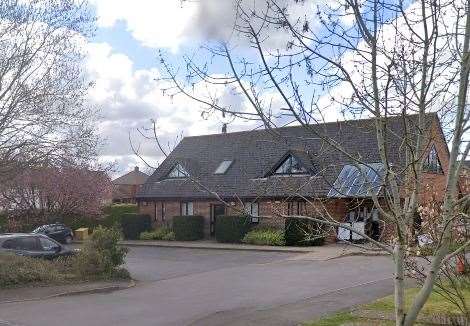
x: 122, y: 60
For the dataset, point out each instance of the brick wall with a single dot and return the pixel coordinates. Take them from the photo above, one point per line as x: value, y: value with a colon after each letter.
x: 270, y: 210
x: 433, y: 184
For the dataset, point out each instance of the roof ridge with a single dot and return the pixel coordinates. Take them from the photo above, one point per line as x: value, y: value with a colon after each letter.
x: 301, y: 126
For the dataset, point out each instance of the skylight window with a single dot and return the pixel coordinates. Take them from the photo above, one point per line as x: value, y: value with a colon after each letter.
x: 223, y: 167
x: 178, y: 172
x: 352, y: 182
x: 290, y: 166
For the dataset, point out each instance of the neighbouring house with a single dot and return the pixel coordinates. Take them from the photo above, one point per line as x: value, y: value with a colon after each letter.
x: 271, y: 172
x: 125, y: 187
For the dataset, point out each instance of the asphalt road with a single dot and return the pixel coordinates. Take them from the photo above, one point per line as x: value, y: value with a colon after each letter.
x: 216, y: 287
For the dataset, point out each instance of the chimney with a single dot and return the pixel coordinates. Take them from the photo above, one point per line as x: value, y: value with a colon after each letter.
x: 136, y: 169
x: 224, y: 128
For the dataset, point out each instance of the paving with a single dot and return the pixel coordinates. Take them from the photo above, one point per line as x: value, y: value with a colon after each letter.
x: 181, y: 286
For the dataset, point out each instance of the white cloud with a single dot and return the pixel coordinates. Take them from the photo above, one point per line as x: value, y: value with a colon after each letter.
x: 128, y: 98
x: 173, y: 23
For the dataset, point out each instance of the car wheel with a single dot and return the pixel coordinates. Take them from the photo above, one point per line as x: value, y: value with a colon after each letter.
x: 68, y: 239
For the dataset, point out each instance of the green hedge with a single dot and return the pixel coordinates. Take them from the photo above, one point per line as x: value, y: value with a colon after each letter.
x: 303, y: 232
x: 188, y: 228
x: 113, y: 213
x: 134, y: 224
x: 232, y: 228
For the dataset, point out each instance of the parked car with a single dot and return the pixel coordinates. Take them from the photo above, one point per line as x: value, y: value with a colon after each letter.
x: 33, y: 245
x: 59, y: 232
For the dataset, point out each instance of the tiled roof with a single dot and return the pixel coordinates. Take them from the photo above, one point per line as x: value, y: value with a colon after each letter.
x: 135, y: 177
x: 255, y: 153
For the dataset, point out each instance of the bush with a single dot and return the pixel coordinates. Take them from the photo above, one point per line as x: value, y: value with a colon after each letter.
x: 75, y: 222
x: 188, y: 228
x: 18, y: 270
x: 101, y: 255
x: 303, y: 232
x: 158, y: 234
x: 231, y: 228
x: 266, y: 237
x: 134, y: 224
x: 114, y: 213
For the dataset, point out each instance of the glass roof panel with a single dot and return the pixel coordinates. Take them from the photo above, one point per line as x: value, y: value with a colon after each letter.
x: 354, y: 182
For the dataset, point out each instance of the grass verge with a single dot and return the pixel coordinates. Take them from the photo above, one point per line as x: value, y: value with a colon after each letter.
x: 436, y: 305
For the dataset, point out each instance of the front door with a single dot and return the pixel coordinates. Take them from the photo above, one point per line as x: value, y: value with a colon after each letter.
x: 216, y: 210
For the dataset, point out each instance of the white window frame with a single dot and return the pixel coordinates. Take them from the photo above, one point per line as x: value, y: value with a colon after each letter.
x: 252, y: 208
x: 187, y: 208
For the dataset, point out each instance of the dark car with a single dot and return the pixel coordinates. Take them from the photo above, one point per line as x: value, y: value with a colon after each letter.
x: 33, y: 245
x: 58, y: 232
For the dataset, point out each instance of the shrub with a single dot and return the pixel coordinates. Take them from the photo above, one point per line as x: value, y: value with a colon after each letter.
x: 134, y: 224
x: 101, y: 255
x: 188, y: 228
x: 19, y: 270
x: 231, y: 228
x: 303, y: 232
x: 158, y: 234
x: 75, y: 222
x: 114, y: 213
x: 267, y: 237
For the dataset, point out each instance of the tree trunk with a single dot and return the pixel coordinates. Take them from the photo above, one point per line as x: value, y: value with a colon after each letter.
x: 399, y: 284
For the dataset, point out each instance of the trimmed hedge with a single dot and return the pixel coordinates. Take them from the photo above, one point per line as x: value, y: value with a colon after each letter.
x: 188, y: 228
x: 134, y: 224
x: 232, y: 228
x: 303, y: 232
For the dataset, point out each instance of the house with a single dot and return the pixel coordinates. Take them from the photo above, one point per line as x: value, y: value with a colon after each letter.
x: 125, y: 187
x: 271, y: 172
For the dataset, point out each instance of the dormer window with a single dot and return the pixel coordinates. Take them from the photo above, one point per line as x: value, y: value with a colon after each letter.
x: 432, y: 163
x: 290, y: 165
x: 223, y: 167
x: 178, y: 172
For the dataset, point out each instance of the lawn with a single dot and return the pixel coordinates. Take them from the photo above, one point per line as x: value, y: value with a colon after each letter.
x: 436, y: 305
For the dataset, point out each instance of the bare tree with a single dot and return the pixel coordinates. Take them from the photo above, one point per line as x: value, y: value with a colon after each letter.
x: 43, y: 114
x: 379, y: 59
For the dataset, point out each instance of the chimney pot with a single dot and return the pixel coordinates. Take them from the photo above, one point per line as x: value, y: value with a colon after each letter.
x: 136, y: 169
x: 224, y: 128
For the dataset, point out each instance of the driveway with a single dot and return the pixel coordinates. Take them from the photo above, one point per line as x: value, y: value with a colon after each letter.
x: 216, y: 287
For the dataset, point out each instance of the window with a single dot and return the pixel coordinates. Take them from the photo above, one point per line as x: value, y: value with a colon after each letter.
x: 48, y: 245
x: 296, y: 208
x: 352, y: 182
x: 253, y: 210
x: 10, y: 244
x: 27, y: 243
x: 187, y: 208
x: 223, y: 167
x: 290, y: 166
x: 163, y: 210
x: 178, y: 172
x: 431, y: 163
